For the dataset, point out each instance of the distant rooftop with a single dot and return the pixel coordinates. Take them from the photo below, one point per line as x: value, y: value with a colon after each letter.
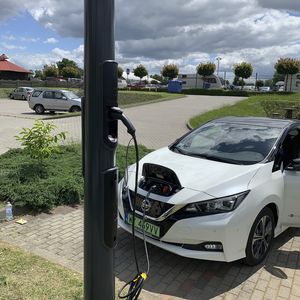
x: 7, y: 66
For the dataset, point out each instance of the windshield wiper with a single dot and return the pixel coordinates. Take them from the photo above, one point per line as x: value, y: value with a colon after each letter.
x: 179, y: 150
x: 216, y: 158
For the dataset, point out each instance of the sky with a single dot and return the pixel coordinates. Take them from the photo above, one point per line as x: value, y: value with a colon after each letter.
x: 35, y: 32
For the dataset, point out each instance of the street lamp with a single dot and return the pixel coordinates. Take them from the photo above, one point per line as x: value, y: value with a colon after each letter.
x: 218, y: 59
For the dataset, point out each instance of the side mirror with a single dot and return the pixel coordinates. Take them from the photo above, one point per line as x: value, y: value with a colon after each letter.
x: 294, y: 166
x: 64, y: 98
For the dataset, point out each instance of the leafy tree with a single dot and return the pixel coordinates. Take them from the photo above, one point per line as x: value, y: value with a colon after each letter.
x: 238, y: 81
x: 50, y: 71
x: 277, y: 77
x: 39, y: 141
x: 205, y: 70
x: 70, y: 72
x: 268, y: 82
x: 66, y: 63
x: 120, y: 72
x: 140, y: 71
x: 259, y: 84
x: 243, y: 70
x: 286, y: 67
x: 159, y: 78
x: 170, y: 71
x: 38, y: 74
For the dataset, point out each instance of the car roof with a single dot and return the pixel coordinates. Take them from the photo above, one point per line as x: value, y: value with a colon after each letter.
x: 52, y: 90
x: 279, y: 123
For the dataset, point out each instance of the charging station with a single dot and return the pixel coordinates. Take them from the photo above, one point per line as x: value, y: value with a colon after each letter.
x: 100, y: 133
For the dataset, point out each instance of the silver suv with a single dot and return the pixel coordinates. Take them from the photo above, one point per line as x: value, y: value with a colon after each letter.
x: 54, y: 100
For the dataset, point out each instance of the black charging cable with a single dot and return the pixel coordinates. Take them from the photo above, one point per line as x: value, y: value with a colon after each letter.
x: 136, y: 284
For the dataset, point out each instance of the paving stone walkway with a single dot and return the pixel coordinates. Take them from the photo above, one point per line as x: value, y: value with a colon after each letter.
x: 59, y: 238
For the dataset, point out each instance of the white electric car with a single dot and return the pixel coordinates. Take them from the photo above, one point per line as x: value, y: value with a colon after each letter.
x: 221, y: 192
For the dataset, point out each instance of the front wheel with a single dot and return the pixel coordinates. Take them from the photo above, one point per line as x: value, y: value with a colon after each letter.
x: 39, y: 109
x: 75, y: 109
x: 260, y: 237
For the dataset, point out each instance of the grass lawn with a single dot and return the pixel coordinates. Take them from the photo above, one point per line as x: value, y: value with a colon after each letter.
x: 248, y: 107
x: 133, y: 98
x: 57, y: 181
x: 26, y: 276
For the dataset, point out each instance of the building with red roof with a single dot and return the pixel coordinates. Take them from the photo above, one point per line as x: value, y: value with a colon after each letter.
x: 10, y: 71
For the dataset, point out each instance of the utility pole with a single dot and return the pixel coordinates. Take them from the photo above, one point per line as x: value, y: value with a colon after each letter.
x: 99, y: 145
x: 218, y: 68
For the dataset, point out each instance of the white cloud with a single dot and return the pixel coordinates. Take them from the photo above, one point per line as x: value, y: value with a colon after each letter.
x: 8, y: 37
x: 12, y: 47
x: 184, y: 32
x: 38, y: 60
x: 30, y: 39
x: 51, y: 40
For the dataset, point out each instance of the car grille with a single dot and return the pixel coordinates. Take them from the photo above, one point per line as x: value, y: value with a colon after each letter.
x: 157, y: 207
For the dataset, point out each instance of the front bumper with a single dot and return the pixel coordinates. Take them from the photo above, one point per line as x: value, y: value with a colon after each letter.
x: 229, y: 229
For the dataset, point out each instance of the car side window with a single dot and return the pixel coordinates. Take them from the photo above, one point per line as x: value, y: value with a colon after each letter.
x: 48, y: 94
x: 58, y: 95
x: 36, y: 93
x: 289, y: 149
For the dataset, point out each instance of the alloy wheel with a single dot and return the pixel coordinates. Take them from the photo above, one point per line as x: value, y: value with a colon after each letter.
x: 262, y: 237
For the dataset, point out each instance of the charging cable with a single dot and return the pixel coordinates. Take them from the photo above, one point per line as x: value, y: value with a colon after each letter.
x: 136, y: 284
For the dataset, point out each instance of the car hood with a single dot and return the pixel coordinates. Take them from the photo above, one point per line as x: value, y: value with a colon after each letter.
x: 211, y: 177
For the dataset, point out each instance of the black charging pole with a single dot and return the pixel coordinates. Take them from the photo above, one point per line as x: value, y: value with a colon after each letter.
x: 99, y: 145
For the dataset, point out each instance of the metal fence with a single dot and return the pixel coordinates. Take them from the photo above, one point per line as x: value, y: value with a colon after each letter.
x: 43, y: 83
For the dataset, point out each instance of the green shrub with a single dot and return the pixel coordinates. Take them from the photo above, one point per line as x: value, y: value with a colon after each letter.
x: 278, y: 106
x: 215, y: 92
x: 39, y: 141
x: 220, y: 92
x: 58, y: 181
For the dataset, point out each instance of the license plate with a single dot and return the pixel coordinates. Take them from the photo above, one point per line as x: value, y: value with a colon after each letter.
x: 148, y: 227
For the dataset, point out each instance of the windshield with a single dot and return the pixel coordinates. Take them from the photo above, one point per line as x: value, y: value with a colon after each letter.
x: 229, y: 142
x: 71, y: 95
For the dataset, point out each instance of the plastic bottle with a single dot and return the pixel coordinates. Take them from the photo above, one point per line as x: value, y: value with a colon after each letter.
x: 8, y: 211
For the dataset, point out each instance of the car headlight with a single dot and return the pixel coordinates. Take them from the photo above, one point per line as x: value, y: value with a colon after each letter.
x: 216, y: 206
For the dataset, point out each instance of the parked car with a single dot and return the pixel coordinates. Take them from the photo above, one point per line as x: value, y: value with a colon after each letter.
x: 221, y: 192
x: 54, y: 100
x: 137, y: 85
x: 122, y: 84
x: 265, y: 89
x: 22, y: 93
x: 151, y: 86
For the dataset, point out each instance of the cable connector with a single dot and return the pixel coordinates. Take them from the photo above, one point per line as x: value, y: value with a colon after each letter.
x: 117, y: 114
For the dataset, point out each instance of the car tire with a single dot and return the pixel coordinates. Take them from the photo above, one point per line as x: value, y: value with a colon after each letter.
x: 75, y: 109
x: 23, y: 97
x: 12, y: 97
x: 260, y: 237
x: 39, y: 109
x: 52, y: 112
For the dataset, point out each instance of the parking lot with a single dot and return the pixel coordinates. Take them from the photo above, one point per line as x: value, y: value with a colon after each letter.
x: 19, y: 109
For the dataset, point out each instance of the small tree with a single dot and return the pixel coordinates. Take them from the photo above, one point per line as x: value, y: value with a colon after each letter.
x: 70, y: 72
x: 170, y: 71
x: 205, y: 70
x: 50, y: 71
x: 39, y: 141
x: 286, y: 67
x: 140, y: 71
x: 38, y: 74
x: 259, y: 84
x: 120, y: 72
x: 277, y: 77
x: 243, y: 70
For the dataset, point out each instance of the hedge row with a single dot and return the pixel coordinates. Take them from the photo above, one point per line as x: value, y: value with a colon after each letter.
x: 220, y: 92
